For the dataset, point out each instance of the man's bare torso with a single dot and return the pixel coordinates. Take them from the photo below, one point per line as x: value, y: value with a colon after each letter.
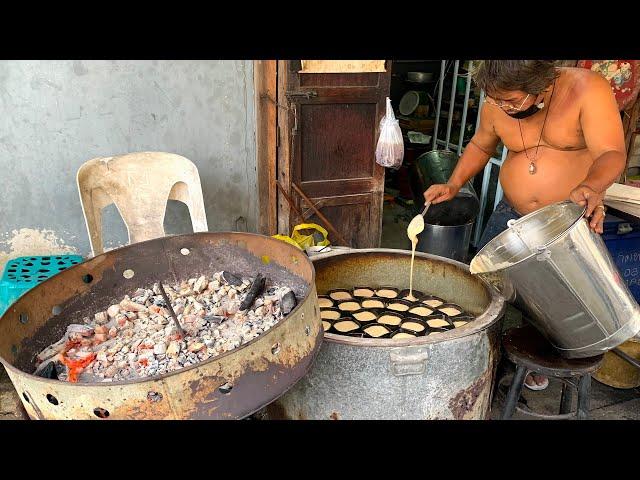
x: 562, y: 160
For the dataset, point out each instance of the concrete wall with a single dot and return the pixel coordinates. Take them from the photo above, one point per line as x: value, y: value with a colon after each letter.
x: 55, y: 115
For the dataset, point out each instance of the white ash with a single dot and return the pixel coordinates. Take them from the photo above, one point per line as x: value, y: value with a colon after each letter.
x: 137, y: 336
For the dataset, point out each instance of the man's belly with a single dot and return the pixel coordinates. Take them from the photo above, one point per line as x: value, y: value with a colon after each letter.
x: 558, y: 173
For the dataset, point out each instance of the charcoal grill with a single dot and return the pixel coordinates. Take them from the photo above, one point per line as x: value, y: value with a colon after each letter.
x: 230, y: 386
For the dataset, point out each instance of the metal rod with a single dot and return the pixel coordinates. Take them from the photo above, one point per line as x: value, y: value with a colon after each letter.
x: 483, y: 202
x: 320, y: 215
x: 289, y: 201
x: 443, y: 65
x: 170, y: 308
x: 499, y: 191
x: 426, y: 207
x: 454, y: 84
x: 480, y: 105
x: 465, y: 108
x: 626, y: 357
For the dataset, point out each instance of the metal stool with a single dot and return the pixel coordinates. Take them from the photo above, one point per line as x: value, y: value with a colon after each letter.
x: 530, y: 351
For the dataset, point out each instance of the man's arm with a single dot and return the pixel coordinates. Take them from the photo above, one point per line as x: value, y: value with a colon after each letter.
x: 473, y: 160
x: 603, y: 134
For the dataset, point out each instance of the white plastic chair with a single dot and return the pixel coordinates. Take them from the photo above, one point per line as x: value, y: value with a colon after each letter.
x: 139, y: 184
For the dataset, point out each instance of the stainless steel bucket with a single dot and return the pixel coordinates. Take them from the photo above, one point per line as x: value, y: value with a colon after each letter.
x: 552, y: 266
x: 446, y: 241
x: 448, y: 226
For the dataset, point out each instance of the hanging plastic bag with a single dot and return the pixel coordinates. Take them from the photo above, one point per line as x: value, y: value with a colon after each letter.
x: 390, y: 148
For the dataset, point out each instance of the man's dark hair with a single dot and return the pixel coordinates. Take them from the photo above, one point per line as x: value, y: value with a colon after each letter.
x: 531, y: 76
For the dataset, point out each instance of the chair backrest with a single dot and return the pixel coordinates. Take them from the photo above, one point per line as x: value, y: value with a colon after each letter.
x: 139, y: 184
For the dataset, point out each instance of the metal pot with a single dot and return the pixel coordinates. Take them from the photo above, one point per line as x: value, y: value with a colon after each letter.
x: 552, y: 266
x: 258, y: 371
x: 448, y: 226
x: 446, y: 376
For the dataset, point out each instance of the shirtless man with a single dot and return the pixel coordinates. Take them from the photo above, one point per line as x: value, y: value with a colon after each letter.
x: 565, y: 139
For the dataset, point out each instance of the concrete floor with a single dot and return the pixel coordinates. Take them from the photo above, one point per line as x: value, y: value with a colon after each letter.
x: 606, y: 403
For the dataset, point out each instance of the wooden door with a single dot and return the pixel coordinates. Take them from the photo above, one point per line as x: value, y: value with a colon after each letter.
x: 327, y: 148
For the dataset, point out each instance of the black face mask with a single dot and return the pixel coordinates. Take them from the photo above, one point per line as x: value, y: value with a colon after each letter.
x: 533, y: 109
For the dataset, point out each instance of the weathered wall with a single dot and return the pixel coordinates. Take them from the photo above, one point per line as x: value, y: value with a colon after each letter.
x: 55, y: 115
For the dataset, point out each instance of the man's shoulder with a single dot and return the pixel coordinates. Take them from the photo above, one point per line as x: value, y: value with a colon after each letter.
x: 583, y: 80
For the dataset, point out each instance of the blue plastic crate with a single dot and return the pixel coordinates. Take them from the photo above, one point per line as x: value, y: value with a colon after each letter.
x: 21, y: 274
x: 623, y: 242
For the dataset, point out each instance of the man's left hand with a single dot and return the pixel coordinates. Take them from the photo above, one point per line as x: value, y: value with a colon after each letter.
x: 584, y: 195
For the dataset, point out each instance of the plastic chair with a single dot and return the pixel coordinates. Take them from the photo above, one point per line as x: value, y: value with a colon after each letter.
x: 139, y: 184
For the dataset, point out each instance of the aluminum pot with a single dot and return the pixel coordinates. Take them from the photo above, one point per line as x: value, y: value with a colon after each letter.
x: 229, y: 386
x: 446, y: 376
x: 552, y: 266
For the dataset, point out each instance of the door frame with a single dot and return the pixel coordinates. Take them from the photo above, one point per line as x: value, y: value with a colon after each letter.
x: 265, y: 77
x: 273, y: 145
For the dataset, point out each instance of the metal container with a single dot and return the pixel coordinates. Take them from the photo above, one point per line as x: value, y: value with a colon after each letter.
x: 446, y: 376
x: 229, y: 386
x: 553, y: 267
x: 448, y: 226
x: 447, y: 241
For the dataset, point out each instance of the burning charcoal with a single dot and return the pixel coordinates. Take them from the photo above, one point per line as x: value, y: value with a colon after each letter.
x: 231, y: 279
x: 82, y: 330
x: 256, y: 289
x: 101, y: 318
x: 215, y: 319
x: 49, y: 371
x: 200, y: 284
x: 130, y: 306
x: 288, y: 302
x: 113, y: 310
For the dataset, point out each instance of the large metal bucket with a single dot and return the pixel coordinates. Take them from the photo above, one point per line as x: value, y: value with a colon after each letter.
x: 447, y: 376
x: 552, y: 266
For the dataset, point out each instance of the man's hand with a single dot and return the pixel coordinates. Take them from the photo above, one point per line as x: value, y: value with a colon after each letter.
x: 584, y: 195
x: 441, y: 193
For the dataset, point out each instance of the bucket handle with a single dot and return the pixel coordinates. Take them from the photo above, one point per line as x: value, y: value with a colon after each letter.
x: 404, y: 363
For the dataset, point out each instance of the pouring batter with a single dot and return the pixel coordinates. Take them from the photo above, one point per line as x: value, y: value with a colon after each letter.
x: 565, y: 139
x: 416, y: 226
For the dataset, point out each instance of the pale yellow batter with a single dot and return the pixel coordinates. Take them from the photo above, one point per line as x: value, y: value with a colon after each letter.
x: 398, y: 307
x: 345, y: 326
x: 386, y: 293
x: 437, y: 322
x: 372, y: 304
x: 450, y: 311
x: 325, y: 302
x: 349, y: 306
x: 422, y: 311
x: 413, y: 326
x: 415, y: 227
x: 363, y: 292
x: 389, y: 320
x: 364, y: 316
x: 329, y: 314
x: 340, y: 295
x: 376, y: 330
